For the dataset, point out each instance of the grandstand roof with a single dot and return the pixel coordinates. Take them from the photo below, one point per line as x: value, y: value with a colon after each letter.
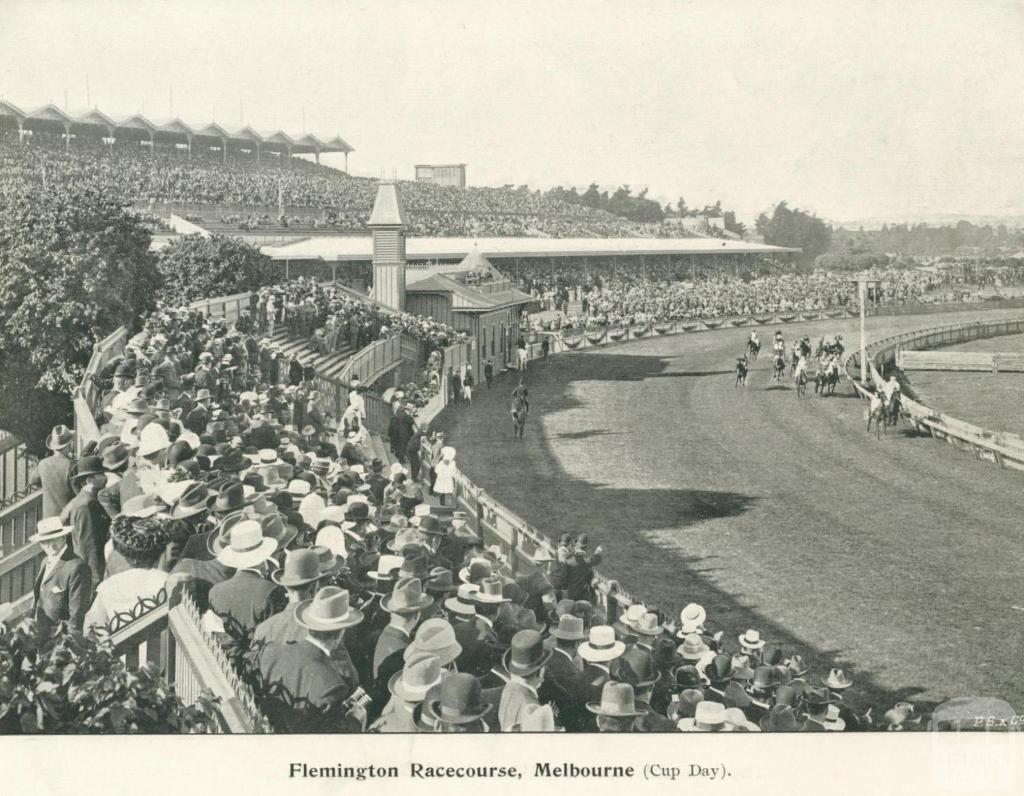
x: 359, y: 248
x: 94, y: 117
x: 464, y: 297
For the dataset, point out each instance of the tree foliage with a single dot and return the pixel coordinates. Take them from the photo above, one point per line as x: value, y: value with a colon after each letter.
x: 74, y: 266
x: 73, y: 684
x: 196, y: 267
x: 795, y: 228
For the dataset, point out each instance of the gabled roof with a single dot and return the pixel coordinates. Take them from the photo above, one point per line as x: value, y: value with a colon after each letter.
x: 247, y: 134
x: 10, y: 109
x: 50, y: 113
x: 174, y: 126
x: 387, y: 207
x: 310, y: 140
x: 338, y: 144
x: 95, y: 117
x: 464, y: 298
x: 211, y: 130
x: 278, y: 137
x: 474, y: 261
x: 137, y: 122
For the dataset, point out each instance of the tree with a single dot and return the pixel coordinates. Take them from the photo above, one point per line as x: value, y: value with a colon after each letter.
x: 796, y: 229
x: 74, y: 266
x: 731, y: 224
x: 195, y: 267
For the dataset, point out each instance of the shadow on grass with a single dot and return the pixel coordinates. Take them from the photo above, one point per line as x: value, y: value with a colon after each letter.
x: 531, y: 481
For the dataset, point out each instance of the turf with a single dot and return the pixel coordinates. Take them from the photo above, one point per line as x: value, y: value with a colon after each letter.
x: 895, y: 560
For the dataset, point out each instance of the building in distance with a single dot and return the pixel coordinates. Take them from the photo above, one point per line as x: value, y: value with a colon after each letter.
x: 446, y: 174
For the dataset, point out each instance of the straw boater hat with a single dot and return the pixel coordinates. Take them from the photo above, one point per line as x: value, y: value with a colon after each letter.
x: 60, y: 438
x: 601, y: 646
x: 50, y: 529
x: 707, y: 717
x: 328, y: 610
x: 751, y: 640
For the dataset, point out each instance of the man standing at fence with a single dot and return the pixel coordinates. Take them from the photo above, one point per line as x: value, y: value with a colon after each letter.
x: 53, y: 474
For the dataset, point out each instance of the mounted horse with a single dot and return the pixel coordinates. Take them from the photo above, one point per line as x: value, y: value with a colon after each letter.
x: 520, y: 409
x: 753, y: 347
x: 778, y: 366
x: 741, y: 372
x: 879, y: 410
x: 827, y: 378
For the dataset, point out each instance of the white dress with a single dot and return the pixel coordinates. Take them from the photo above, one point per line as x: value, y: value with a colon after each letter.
x: 444, y: 484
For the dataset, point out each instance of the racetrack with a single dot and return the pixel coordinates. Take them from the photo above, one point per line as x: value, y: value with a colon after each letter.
x: 898, y: 560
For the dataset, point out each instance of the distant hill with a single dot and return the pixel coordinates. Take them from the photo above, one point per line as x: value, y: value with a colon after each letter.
x: 933, y: 220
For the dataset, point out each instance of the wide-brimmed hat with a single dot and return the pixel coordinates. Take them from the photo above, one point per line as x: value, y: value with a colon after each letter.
x: 153, y: 439
x: 478, y: 569
x: 386, y: 567
x: 817, y: 696
x: 735, y: 697
x: 751, y: 640
x: 837, y: 680
x: 439, y: 581
x: 60, y: 437
x: 137, y: 408
x: 691, y: 619
x: 329, y: 610
x: 233, y: 461
x: 406, y: 597
x: 194, y: 501
x: 301, y: 567
x: 463, y: 603
x: 50, y: 528
x: 719, y: 669
x: 707, y: 717
x: 328, y: 561
x: 648, y: 625
x: 247, y: 546
x: 527, y: 653
x: 542, y: 555
x: 491, y: 592
x: 408, y: 536
x: 88, y: 465
x: 229, y: 499
x: 636, y: 667
x: 618, y: 700
x: 421, y: 673
x: 736, y: 721
x: 203, y: 395
x: 601, y: 646
x: 693, y: 647
x: 569, y: 628
x: 460, y: 700
x: 437, y: 637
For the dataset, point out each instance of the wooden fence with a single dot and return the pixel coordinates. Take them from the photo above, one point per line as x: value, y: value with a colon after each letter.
x: 16, y: 466
x: 227, y: 307
x: 969, y: 361
x: 1001, y: 448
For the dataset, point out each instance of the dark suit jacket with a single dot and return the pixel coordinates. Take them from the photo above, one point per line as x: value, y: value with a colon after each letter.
x: 114, y: 497
x: 91, y: 531
x: 52, y: 475
x: 569, y: 690
x: 247, y: 598
x: 263, y: 437
x: 64, y: 595
x: 304, y: 690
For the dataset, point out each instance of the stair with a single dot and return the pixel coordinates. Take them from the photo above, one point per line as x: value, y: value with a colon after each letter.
x: 329, y: 366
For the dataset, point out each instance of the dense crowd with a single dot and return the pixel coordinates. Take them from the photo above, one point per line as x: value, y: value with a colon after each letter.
x: 334, y: 200
x: 334, y: 320
x: 353, y: 594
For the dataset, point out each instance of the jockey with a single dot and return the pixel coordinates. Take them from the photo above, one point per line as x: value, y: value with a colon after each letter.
x: 800, y: 369
x: 890, y: 387
x: 753, y: 338
x: 778, y: 344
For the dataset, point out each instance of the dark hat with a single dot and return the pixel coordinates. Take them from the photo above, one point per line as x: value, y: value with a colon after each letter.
x: 688, y: 677
x: 230, y: 498
x: 232, y: 461
x: 357, y: 512
x: 719, y: 670
x: 88, y: 465
x: 527, y: 653
x: 735, y: 696
x: 115, y: 456
x: 439, y: 581
x: 771, y: 655
x: 137, y: 534
x: 432, y: 526
x: 192, y: 502
x: 138, y: 407
x: 179, y: 452
x: 636, y: 667
x: 817, y: 696
x: 461, y: 700
x: 301, y: 567
x: 665, y: 655
x: 781, y: 718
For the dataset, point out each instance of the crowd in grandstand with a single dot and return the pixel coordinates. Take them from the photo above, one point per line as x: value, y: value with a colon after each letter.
x: 351, y: 592
x: 333, y: 200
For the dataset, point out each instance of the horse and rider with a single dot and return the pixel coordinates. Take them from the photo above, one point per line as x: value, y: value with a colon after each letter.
x: 827, y: 377
x: 742, y: 368
x: 753, y: 346
x: 830, y: 347
x: 800, y: 376
x: 885, y: 406
x: 520, y: 408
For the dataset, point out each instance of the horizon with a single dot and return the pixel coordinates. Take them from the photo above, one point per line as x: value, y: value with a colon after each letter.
x: 921, y: 123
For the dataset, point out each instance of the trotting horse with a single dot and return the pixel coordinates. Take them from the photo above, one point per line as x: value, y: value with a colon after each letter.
x: 778, y: 366
x: 878, y: 411
x: 520, y: 409
x: 753, y: 348
x: 741, y: 372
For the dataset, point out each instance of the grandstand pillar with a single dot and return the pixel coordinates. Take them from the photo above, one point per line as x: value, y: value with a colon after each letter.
x: 67, y: 137
x: 257, y: 152
x: 289, y: 156
x: 152, y: 145
x: 224, y: 150
x: 189, y: 138
x: 318, y: 156
x: 346, y: 162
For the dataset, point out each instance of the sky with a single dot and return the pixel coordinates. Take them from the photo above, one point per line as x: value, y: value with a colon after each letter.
x: 851, y: 110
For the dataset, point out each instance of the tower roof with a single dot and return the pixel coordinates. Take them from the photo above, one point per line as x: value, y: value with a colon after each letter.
x: 387, y: 207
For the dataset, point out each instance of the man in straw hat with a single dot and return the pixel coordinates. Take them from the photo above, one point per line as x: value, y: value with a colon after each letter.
x: 53, y: 474
x: 305, y: 691
x: 248, y: 597
x: 86, y: 516
x: 63, y: 587
x: 597, y: 652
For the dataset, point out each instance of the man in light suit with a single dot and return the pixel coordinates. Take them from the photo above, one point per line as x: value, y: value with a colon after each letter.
x: 63, y: 587
x: 53, y: 474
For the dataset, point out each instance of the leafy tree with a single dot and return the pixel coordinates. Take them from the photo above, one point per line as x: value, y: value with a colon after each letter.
x: 75, y: 685
x: 74, y: 265
x: 731, y: 224
x: 195, y: 267
x: 795, y: 228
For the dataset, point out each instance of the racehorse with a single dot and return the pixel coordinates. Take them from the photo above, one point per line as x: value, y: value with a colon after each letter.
x: 893, y: 409
x: 801, y: 383
x: 753, y: 348
x: 520, y: 409
x: 778, y: 366
x: 826, y: 379
x: 741, y: 372
x: 878, y: 411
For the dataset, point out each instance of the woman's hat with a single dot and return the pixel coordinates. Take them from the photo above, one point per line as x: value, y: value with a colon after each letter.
x: 527, y: 653
x: 618, y: 700
x: 569, y: 628
x: 463, y: 603
x: 49, y: 529
x: 751, y: 640
x: 138, y: 535
x: 301, y: 567
x: 837, y: 680
x: 437, y: 637
x: 406, y: 597
x: 491, y: 592
x: 247, y: 547
x: 421, y: 673
x: 461, y: 700
x: 693, y: 647
x: 601, y: 646
x: 328, y: 610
